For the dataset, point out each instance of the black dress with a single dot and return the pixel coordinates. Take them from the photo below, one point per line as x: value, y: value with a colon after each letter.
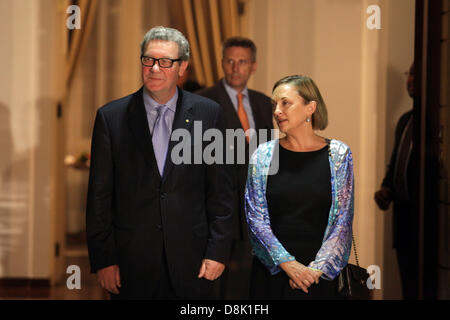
x: 299, y: 201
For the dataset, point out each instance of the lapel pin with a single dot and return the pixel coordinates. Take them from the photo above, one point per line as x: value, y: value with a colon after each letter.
x: 187, y: 120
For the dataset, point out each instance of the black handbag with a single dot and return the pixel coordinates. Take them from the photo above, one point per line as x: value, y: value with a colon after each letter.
x: 352, y: 281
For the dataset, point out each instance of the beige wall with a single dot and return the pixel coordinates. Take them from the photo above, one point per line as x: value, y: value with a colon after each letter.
x: 398, y: 43
x: 28, y: 98
x: 360, y: 75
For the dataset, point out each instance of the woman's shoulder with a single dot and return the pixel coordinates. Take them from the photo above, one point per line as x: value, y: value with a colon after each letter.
x: 339, y: 148
x: 264, y: 152
x: 265, y: 147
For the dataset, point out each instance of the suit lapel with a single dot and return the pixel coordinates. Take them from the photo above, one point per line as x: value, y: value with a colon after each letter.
x: 228, y: 108
x: 255, y: 110
x: 137, y: 120
x: 183, y: 120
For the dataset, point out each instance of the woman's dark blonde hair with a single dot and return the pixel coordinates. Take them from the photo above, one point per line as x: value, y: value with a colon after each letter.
x: 308, y: 90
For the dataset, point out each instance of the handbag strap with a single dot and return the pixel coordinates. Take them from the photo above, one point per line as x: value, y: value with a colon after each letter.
x: 354, y: 250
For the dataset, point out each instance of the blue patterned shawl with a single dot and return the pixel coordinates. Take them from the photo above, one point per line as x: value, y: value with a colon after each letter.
x: 334, y: 252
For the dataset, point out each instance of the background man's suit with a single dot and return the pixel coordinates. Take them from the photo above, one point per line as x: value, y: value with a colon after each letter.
x: 144, y: 222
x: 262, y: 113
x: 399, y: 179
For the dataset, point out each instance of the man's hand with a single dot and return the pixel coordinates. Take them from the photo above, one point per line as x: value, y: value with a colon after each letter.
x: 383, y: 198
x: 211, y: 269
x: 109, y: 278
x: 300, y: 276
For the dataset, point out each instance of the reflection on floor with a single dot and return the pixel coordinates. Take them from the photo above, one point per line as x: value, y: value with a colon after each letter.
x: 90, y: 290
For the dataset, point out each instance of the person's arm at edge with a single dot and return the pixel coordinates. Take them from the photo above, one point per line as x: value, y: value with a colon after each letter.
x: 219, y: 211
x: 99, y: 228
x: 334, y: 252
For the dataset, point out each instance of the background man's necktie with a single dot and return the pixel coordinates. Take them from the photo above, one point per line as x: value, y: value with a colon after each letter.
x: 242, y: 114
x: 160, y: 138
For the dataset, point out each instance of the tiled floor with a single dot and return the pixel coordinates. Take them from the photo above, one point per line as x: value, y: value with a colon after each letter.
x: 90, y: 290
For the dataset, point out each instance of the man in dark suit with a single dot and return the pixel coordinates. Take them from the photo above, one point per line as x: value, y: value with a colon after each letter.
x: 243, y: 109
x: 156, y: 229
x: 396, y: 187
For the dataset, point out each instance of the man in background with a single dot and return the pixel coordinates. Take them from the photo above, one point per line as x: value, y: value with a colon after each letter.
x: 245, y: 109
x: 396, y: 187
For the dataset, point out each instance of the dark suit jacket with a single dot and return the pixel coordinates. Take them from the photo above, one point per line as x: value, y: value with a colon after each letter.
x: 401, y: 210
x: 132, y: 212
x: 262, y: 113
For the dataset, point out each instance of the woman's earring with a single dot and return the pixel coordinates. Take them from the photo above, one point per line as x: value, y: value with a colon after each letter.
x: 308, y: 119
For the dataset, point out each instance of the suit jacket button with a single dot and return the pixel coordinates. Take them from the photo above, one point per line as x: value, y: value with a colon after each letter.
x: 159, y: 227
x: 163, y: 195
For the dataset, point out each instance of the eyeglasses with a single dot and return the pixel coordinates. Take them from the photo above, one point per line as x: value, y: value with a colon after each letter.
x: 162, y: 62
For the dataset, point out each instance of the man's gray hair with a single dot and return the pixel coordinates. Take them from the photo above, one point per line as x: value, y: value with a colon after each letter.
x: 167, y: 34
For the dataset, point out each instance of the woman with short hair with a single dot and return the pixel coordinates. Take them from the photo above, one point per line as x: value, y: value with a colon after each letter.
x: 300, y: 219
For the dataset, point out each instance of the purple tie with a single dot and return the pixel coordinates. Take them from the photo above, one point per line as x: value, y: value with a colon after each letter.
x: 160, y: 138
